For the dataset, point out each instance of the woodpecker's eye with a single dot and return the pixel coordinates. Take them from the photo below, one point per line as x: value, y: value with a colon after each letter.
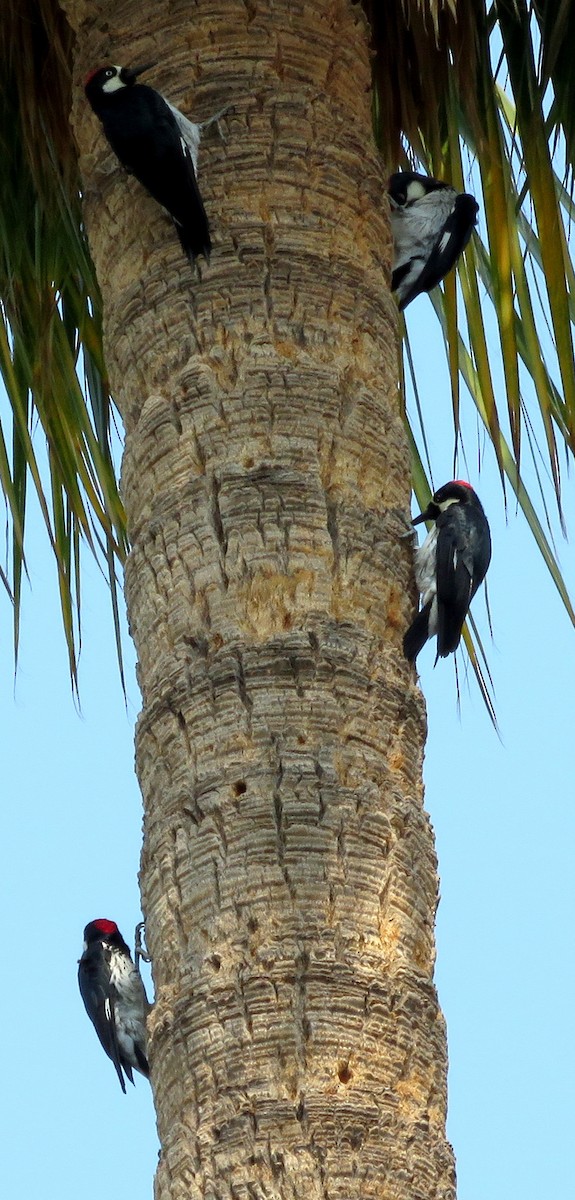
x: 110, y: 73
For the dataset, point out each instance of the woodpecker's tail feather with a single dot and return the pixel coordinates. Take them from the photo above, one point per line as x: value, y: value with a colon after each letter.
x: 120, y: 1074
x: 143, y: 1064
x: 195, y: 241
x: 417, y: 634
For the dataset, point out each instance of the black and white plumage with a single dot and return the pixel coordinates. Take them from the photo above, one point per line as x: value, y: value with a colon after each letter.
x: 431, y: 225
x: 115, y: 998
x: 449, y: 567
x: 155, y: 142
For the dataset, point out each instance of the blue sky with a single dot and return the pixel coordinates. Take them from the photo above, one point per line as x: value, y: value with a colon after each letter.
x: 504, y: 822
x: 504, y: 819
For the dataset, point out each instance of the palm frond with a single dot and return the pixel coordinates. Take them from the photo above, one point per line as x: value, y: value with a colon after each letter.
x: 490, y: 85
x: 51, y: 355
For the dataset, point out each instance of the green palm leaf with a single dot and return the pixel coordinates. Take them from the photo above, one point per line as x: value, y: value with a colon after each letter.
x: 51, y: 354
x: 503, y: 114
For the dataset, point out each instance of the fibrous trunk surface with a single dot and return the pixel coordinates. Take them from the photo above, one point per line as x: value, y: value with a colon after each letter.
x: 288, y: 871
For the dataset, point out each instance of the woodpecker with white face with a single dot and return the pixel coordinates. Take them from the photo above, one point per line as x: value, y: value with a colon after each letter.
x: 449, y: 567
x: 115, y: 998
x: 431, y: 225
x: 156, y: 143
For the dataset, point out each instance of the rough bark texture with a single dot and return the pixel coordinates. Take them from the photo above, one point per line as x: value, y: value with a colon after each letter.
x: 288, y: 871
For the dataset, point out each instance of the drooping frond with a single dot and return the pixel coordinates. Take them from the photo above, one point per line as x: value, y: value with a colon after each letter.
x: 481, y: 94
x: 50, y: 320
x: 556, y: 22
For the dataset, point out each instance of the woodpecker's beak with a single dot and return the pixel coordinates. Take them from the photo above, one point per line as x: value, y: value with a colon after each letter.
x: 129, y: 74
x: 428, y: 515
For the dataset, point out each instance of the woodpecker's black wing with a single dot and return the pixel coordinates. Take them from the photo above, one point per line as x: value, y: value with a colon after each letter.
x: 430, y: 261
x: 144, y: 134
x: 456, y: 574
x: 451, y: 243
x: 100, y: 1008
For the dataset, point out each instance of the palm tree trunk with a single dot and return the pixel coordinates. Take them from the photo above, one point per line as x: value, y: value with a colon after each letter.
x: 288, y: 871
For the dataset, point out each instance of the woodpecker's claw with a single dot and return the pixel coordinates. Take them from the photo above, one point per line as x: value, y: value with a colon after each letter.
x: 140, y: 948
x: 215, y: 120
x: 411, y: 531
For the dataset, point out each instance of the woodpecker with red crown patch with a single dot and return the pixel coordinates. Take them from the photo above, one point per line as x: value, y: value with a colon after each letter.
x: 431, y: 224
x: 449, y: 567
x: 115, y: 998
x: 155, y: 142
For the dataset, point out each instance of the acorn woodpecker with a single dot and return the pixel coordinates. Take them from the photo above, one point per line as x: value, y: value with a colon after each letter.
x: 156, y: 143
x: 115, y: 998
x: 431, y: 224
x: 449, y: 567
